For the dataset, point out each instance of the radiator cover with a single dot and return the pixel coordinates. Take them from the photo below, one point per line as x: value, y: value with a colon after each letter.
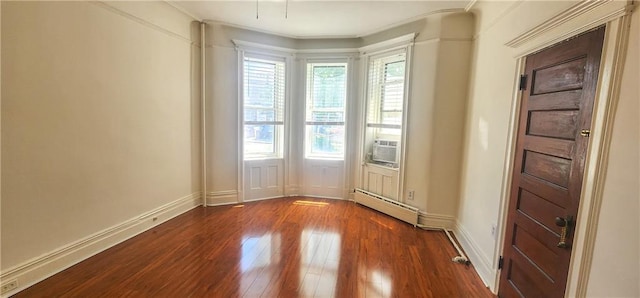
x: 387, y: 206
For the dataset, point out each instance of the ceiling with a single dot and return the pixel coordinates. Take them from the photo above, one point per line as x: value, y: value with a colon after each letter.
x: 316, y: 19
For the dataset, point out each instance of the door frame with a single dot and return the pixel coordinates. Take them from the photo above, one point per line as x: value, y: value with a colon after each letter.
x: 616, y: 17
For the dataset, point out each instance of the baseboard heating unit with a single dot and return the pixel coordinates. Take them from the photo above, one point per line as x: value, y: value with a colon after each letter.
x: 387, y: 206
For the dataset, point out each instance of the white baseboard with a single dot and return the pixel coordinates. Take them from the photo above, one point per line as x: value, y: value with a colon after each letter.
x: 291, y: 190
x: 480, y: 261
x: 435, y: 221
x: 263, y: 199
x: 40, y: 268
x: 320, y: 197
x: 224, y: 197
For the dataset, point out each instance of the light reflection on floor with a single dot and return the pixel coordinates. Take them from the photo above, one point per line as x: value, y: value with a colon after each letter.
x: 318, y: 263
x: 310, y: 203
x: 260, y: 255
x: 320, y: 255
x: 381, y: 285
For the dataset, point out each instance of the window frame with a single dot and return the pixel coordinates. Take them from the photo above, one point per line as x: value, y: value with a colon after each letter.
x: 308, y: 124
x: 278, y: 124
x: 379, y: 84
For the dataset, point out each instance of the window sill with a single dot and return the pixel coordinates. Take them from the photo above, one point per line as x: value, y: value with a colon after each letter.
x: 382, y: 166
x: 262, y: 158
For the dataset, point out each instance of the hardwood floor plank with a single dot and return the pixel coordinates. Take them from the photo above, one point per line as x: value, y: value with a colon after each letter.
x: 290, y: 247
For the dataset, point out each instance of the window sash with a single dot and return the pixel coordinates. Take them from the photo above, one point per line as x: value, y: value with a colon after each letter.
x: 325, y: 106
x: 325, y: 141
x: 264, y: 102
x: 386, y: 93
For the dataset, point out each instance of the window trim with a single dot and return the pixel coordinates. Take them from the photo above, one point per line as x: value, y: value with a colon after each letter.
x: 401, y: 44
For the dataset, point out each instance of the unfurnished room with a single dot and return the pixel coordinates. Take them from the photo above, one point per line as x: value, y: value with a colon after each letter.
x: 320, y: 148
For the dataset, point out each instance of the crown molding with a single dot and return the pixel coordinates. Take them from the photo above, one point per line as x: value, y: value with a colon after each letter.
x: 182, y: 10
x: 575, y: 11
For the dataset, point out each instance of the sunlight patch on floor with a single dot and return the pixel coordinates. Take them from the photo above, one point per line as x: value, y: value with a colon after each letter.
x: 310, y: 203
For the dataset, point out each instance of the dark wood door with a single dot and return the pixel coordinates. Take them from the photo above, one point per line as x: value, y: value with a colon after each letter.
x: 553, y: 134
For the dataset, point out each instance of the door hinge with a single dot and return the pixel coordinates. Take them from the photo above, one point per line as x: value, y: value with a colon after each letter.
x: 523, y: 82
x: 500, y: 262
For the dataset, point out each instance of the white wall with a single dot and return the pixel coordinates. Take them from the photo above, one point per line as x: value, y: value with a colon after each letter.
x: 222, y: 113
x: 100, y: 119
x: 486, y: 140
x: 436, y: 111
x: 615, y: 270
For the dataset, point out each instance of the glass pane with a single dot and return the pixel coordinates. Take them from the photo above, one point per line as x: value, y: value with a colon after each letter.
x: 327, y: 116
x: 389, y: 131
x: 329, y: 86
x: 392, y: 97
x: 254, y: 114
x: 394, y: 71
x: 326, y: 140
x: 392, y: 118
x: 264, y: 86
x: 260, y: 83
x: 259, y: 139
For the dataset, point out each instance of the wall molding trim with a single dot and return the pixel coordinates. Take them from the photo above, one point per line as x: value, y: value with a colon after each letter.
x: 256, y: 29
x: 577, y: 10
x: 182, y: 10
x: 436, y: 221
x: 141, y: 21
x: 481, y: 262
x: 411, y: 20
x: 442, y: 39
x: 388, y: 45
x: 253, y: 46
x: 505, y: 12
x: 223, y: 197
x: 42, y: 267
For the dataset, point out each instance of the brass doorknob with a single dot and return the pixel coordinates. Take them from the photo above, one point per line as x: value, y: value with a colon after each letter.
x: 564, y: 224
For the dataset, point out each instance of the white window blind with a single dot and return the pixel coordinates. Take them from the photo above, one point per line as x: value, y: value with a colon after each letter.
x: 325, y: 110
x: 264, y: 96
x: 386, y: 93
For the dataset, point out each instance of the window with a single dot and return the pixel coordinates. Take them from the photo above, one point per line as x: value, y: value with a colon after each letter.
x: 386, y: 93
x: 264, y: 95
x: 325, y: 110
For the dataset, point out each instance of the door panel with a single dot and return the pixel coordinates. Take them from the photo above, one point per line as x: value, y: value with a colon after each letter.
x: 323, y: 178
x: 549, y: 166
x: 546, y: 167
x: 568, y: 100
x: 543, y: 256
x: 263, y: 179
x: 381, y: 180
x: 553, y: 124
x: 562, y: 77
x: 542, y: 210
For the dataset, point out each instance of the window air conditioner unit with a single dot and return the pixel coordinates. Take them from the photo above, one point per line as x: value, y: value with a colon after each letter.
x: 385, y: 151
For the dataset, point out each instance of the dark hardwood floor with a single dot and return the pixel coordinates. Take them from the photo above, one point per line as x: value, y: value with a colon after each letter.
x: 291, y: 247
